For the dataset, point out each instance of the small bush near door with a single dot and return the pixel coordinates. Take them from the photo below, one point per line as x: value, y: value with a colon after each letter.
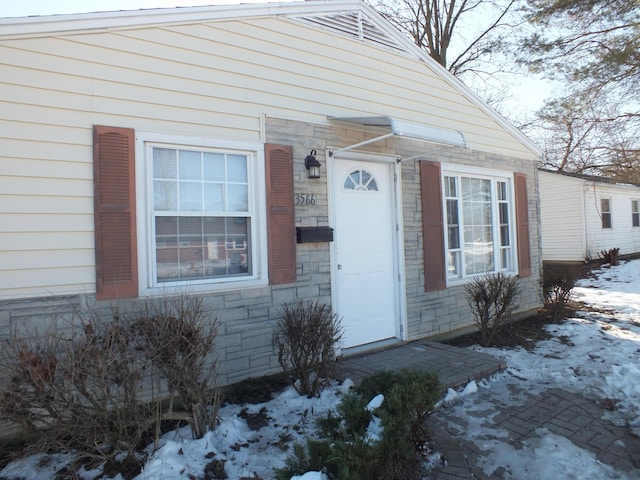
x: 368, y: 439
x: 492, y: 299
x: 306, y: 341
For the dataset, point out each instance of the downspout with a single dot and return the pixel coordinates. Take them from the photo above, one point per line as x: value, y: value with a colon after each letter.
x: 585, y: 241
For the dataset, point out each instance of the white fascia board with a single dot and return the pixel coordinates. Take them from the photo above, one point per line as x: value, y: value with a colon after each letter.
x: 125, y: 19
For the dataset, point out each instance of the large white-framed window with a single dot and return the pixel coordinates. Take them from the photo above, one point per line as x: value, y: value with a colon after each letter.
x: 479, y: 215
x: 635, y: 213
x: 203, y: 227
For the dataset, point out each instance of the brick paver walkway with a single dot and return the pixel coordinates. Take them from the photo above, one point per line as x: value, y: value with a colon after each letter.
x: 570, y: 415
x: 454, y: 366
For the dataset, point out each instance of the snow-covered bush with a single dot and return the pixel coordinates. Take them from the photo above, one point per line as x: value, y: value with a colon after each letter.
x: 306, y: 341
x: 378, y: 431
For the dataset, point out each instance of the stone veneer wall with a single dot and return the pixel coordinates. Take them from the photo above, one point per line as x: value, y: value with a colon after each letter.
x: 248, y: 316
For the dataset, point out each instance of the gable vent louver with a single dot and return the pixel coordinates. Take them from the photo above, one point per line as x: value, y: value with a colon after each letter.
x: 355, y: 25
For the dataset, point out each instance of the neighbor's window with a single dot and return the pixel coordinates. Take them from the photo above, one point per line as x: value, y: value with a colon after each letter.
x: 605, y: 212
x: 202, y: 215
x: 635, y: 213
x: 479, y: 235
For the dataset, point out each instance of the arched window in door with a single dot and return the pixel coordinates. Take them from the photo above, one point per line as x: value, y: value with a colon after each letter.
x: 360, y: 180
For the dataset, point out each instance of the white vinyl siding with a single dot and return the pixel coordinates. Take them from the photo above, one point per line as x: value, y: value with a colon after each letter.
x: 207, y: 80
x: 563, y: 218
x: 571, y: 214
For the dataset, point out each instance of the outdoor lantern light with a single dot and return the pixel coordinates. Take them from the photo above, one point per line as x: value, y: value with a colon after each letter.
x: 312, y: 165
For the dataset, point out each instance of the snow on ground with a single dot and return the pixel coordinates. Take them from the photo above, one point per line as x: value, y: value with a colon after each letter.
x: 595, y: 353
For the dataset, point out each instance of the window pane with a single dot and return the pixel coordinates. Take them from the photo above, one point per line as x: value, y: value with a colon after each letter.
x: 478, y: 230
x: 502, y: 191
x: 467, y: 193
x: 454, y: 237
x: 190, y: 196
x: 164, y: 163
x: 504, y: 236
x: 237, y: 168
x: 165, y: 195
x: 452, y: 212
x: 167, y: 254
x: 484, y: 190
x: 214, y: 194
x: 504, y: 213
x: 478, y: 250
x: 227, y: 246
x: 349, y: 184
x: 605, y: 207
x: 450, y: 187
x: 238, y: 199
x: 505, y: 256
x: 189, y: 165
x: 486, y: 214
x: 453, y: 264
x: 189, y: 248
x: 360, y: 180
x: 213, y: 167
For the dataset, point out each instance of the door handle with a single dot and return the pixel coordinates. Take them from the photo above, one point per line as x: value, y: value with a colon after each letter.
x: 339, y: 267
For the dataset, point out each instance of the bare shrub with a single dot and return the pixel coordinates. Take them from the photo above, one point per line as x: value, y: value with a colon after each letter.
x: 306, y: 340
x: 610, y: 256
x: 558, y: 281
x: 492, y: 299
x: 92, y: 389
x: 178, y: 337
x: 82, y: 391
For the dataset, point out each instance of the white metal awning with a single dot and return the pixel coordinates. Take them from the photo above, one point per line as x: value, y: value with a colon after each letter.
x: 403, y: 128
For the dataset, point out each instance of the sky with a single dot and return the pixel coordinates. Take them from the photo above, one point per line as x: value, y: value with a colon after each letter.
x: 600, y: 362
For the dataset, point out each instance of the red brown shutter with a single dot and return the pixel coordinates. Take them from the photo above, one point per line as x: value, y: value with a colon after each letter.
x: 432, y: 226
x: 522, y: 224
x: 280, y: 214
x: 115, y: 212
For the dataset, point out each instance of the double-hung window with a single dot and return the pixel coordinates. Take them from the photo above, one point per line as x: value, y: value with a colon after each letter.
x: 202, y: 216
x: 479, y: 224
x: 635, y: 213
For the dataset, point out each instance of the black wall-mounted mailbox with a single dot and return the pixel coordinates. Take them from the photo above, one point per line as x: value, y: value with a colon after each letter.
x: 314, y: 234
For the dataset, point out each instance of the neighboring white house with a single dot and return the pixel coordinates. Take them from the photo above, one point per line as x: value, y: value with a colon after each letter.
x: 153, y: 152
x: 582, y: 216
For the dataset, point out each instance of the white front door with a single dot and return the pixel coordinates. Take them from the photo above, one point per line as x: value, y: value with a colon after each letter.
x: 364, y: 260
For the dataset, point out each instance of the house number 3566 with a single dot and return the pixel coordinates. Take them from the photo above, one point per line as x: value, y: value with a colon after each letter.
x: 305, y: 198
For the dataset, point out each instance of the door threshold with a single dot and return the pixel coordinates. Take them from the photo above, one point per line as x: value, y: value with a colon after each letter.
x: 369, y: 347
